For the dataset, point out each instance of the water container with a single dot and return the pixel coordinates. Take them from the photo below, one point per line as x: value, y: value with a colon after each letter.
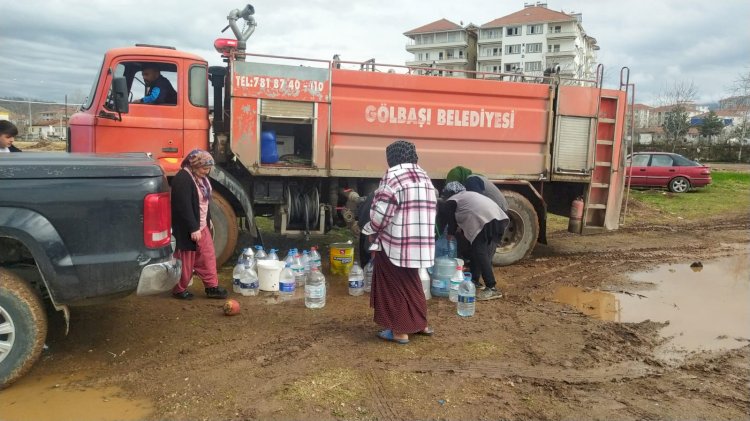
x: 455, y: 282
x: 268, y: 152
x: 440, y: 285
x: 368, y: 277
x: 356, y: 280
x: 287, y: 284
x: 236, y: 275
x: 299, y: 271
x: 289, y: 259
x: 445, y: 247
x: 260, y: 254
x: 314, y: 257
x: 424, y: 276
x: 268, y: 274
x: 272, y: 255
x: 467, y: 294
x: 315, y: 290
x: 306, y: 262
x: 248, y: 282
x: 445, y: 267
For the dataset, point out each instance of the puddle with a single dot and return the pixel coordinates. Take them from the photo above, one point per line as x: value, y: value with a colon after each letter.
x: 63, y: 398
x: 707, y: 304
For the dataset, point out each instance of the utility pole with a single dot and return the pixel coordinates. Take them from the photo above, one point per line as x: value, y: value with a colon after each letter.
x: 28, y: 132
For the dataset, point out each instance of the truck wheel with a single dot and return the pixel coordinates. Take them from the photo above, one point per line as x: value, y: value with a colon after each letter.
x: 23, y: 327
x: 520, y: 236
x: 225, y: 228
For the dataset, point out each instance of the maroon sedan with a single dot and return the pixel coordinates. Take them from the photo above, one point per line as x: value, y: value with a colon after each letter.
x: 670, y: 170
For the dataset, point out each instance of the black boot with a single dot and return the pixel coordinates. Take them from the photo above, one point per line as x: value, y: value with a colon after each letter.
x: 216, y: 292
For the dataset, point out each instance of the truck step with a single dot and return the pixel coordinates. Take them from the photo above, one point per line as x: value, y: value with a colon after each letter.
x: 603, y: 164
x: 597, y: 206
x: 600, y: 185
x: 604, y: 142
x: 607, y: 120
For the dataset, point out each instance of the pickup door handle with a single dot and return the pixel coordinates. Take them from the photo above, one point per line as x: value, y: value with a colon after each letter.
x: 671, y: 170
x: 643, y: 170
x: 169, y: 150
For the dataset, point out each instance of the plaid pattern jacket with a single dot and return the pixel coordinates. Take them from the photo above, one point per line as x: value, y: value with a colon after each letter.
x: 403, y: 216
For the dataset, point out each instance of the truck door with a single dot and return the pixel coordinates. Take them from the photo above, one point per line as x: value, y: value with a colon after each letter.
x: 147, y: 127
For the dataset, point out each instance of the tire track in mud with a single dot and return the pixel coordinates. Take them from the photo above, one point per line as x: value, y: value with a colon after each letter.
x: 380, y: 400
x: 501, y: 370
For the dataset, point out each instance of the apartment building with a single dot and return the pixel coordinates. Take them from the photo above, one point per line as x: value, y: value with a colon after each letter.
x: 445, y: 45
x: 528, y: 41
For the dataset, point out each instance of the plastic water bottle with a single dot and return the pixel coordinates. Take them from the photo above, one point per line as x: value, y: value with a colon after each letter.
x: 452, y: 248
x: 356, y: 280
x: 315, y: 290
x: 239, y: 268
x: 455, y: 282
x: 467, y: 294
x: 248, y: 282
x: 306, y: 262
x: 299, y: 270
x: 289, y: 259
x: 368, y: 276
x: 287, y: 284
x: 272, y: 255
x: 314, y: 257
x: 260, y: 254
x: 424, y: 276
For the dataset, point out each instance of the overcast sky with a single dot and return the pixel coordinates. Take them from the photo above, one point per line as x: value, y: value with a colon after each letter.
x: 53, y: 48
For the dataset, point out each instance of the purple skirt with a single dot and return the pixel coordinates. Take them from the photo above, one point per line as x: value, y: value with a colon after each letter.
x: 397, y: 296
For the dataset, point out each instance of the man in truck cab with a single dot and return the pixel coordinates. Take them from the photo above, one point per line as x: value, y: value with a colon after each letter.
x: 159, y: 90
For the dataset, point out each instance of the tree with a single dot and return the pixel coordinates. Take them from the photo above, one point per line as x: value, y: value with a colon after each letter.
x: 676, y: 121
x: 741, y: 88
x: 676, y: 124
x: 711, y: 126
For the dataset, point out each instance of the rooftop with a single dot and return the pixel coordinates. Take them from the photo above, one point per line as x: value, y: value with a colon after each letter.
x: 531, y: 14
x: 441, y: 25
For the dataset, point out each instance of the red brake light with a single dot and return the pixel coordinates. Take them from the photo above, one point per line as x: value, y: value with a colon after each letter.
x: 157, y: 220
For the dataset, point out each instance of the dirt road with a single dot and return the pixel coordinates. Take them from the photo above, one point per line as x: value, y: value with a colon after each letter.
x: 521, y: 357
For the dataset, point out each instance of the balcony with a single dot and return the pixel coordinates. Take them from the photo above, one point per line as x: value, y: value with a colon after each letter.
x: 562, y: 35
x: 563, y: 53
x: 490, y: 57
x: 412, y: 46
x: 439, y: 63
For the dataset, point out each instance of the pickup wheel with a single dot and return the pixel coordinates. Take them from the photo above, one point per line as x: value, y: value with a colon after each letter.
x: 225, y: 230
x: 520, y: 236
x: 23, y: 327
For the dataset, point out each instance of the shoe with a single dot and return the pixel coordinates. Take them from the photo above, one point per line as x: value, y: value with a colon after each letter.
x: 184, y: 295
x: 387, y: 335
x: 477, y: 285
x: 426, y: 332
x: 216, y: 292
x: 489, y: 294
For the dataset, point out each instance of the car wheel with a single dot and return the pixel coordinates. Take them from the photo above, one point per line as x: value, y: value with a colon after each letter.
x: 23, y: 327
x: 679, y: 185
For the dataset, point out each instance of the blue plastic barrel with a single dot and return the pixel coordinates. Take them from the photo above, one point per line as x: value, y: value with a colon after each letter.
x: 268, y: 152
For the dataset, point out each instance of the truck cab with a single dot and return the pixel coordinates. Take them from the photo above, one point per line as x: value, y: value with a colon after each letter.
x: 166, y: 131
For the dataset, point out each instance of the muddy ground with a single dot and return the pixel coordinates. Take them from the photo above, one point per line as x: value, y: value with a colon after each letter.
x: 521, y: 357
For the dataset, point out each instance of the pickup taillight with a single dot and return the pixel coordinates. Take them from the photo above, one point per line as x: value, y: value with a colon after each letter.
x: 157, y: 220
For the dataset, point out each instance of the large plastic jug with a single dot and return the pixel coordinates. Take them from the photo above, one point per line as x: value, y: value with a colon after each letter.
x: 268, y: 152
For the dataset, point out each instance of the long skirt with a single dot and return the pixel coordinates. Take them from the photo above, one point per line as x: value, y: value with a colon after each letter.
x: 397, y: 296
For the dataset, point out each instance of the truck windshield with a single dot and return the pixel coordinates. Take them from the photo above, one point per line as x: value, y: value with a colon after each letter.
x: 90, y: 99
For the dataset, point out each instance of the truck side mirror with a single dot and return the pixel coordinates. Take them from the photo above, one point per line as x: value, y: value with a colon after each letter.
x: 120, y: 93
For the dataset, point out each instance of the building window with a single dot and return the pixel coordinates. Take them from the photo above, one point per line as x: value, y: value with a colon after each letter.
x: 426, y: 56
x: 513, y: 31
x: 511, y: 67
x: 460, y: 53
x: 496, y: 51
x: 513, y: 49
x: 553, y: 48
x: 555, y: 29
x: 534, y: 48
x: 534, y: 29
x: 440, y: 55
x: 533, y: 66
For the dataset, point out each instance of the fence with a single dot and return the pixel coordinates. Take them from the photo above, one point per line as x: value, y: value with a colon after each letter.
x: 702, y: 151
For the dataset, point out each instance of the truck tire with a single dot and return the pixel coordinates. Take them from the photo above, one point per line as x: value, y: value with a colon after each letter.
x: 23, y: 327
x: 520, y: 236
x: 225, y: 230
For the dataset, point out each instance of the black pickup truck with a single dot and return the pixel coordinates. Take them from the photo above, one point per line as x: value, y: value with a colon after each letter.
x: 76, y: 230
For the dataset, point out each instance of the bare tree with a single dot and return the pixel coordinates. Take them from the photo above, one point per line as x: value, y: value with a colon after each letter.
x: 741, y: 89
x: 676, y: 98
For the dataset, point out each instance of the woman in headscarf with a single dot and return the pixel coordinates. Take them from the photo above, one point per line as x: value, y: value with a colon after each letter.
x: 477, y: 183
x: 402, y: 226
x: 482, y: 223
x: 191, y: 194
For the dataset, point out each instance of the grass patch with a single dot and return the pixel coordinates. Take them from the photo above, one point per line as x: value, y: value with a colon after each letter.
x: 481, y: 349
x: 729, y: 193
x: 556, y: 223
